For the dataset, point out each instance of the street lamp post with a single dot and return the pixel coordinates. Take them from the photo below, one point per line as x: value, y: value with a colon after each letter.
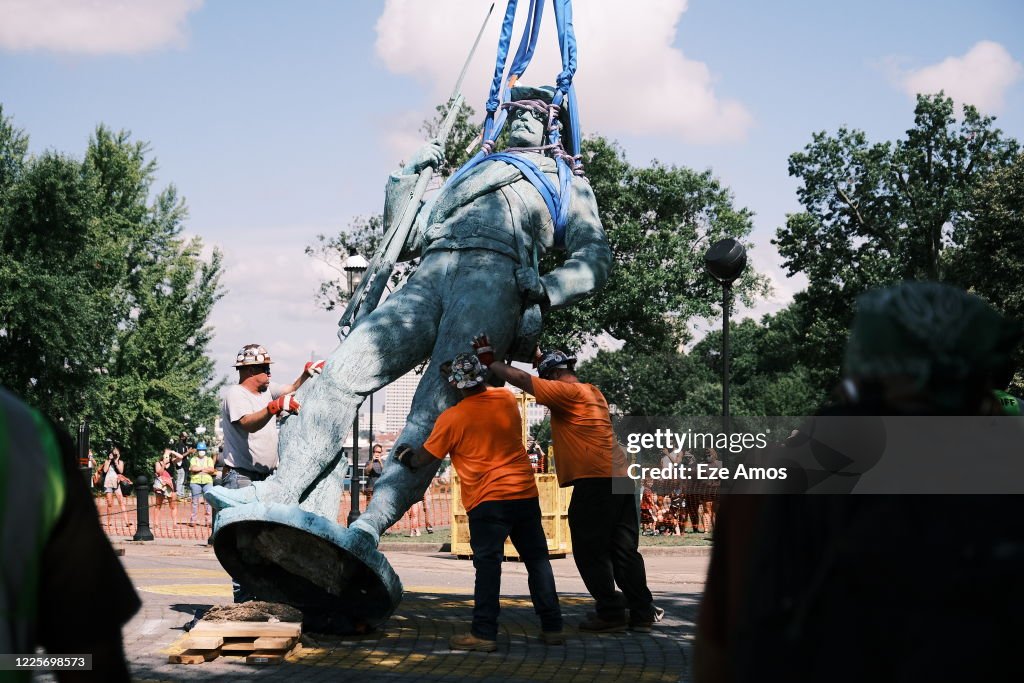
x: 355, y: 267
x: 725, y: 261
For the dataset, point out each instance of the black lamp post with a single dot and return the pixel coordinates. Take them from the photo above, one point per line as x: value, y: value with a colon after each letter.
x: 725, y: 261
x: 355, y: 267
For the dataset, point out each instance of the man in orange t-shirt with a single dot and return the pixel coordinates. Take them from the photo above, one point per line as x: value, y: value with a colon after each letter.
x: 605, y: 524
x: 482, y: 434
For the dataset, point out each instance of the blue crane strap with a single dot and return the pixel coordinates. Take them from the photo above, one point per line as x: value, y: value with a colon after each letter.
x: 557, y: 198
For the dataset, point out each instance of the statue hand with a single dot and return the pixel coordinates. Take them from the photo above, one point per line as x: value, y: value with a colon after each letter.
x: 430, y: 154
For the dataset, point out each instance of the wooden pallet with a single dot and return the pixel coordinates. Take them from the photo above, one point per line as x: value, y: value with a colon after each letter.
x: 259, y: 642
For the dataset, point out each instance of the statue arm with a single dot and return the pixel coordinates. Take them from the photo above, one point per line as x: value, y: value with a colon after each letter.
x: 589, y: 257
x: 397, y: 197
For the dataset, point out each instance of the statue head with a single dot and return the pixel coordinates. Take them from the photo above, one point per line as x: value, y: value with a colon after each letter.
x: 528, y: 115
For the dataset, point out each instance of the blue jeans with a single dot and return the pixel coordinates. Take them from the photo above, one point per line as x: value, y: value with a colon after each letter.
x: 490, y: 523
x: 198, y: 493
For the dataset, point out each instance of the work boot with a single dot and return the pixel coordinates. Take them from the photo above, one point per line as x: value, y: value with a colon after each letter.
x: 645, y: 625
x: 467, y: 641
x: 594, y: 623
x: 553, y: 637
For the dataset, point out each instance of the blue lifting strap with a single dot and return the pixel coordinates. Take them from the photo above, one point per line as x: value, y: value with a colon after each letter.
x: 557, y: 198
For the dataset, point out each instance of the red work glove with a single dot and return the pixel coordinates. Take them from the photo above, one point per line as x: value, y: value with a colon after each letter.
x: 314, y: 367
x: 484, y: 350
x: 286, y: 403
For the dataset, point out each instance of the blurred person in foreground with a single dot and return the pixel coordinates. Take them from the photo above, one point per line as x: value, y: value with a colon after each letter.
x: 878, y: 587
x: 51, y: 547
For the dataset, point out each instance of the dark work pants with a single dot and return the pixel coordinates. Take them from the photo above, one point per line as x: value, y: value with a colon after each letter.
x: 605, y: 529
x: 490, y: 523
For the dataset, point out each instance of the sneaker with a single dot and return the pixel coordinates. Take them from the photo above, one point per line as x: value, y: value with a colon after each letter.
x: 553, y: 637
x: 467, y: 641
x: 596, y: 624
x: 645, y: 626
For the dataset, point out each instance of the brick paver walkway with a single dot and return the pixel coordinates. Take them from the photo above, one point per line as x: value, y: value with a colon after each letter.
x: 176, y: 580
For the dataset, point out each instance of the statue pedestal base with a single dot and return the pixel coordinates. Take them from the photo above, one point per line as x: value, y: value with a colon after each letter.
x: 282, y: 553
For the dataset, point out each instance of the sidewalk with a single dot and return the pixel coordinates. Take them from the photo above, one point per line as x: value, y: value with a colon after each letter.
x: 176, y: 578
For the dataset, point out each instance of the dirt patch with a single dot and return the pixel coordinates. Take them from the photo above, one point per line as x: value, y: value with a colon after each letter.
x: 254, y: 611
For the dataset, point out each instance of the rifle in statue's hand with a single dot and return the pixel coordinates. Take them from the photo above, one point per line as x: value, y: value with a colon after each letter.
x: 367, y: 296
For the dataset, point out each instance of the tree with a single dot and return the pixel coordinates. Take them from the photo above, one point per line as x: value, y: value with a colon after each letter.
x: 991, y: 259
x: 876, y: 214
x: 644, y: 383
x: 103, y: 306
x: 659, y: 220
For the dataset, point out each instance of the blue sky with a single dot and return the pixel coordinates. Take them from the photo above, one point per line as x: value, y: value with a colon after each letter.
x: 278, y: 121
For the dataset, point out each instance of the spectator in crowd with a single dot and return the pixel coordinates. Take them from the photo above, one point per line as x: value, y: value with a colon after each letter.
x: 218, y: 465
x: 180, y: 465
x: 797, y: 583
x: 425, y: 508
x: 113, y: 477
x: 482, y: 434
x: 694, y: 496
x: 648, y: 509
x: 373, y: 470
x: 202, y: 471
x: 604, y: 520
x: 51, y: 547
x: 163, y: 487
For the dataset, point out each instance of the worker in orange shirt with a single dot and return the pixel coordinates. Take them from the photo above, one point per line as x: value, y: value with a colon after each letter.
x: 604, y: 523
x: 482, y: 434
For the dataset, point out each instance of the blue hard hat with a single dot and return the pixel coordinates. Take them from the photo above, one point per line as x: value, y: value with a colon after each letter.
x: 201, y: 446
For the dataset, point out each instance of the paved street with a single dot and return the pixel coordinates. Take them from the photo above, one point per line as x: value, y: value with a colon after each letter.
x: 174, y: 579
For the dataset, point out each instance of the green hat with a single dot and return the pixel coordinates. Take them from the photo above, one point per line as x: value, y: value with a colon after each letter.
x: 937, y: 335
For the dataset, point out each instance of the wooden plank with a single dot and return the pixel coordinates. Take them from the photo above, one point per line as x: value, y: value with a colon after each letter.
x: 193, y: 657
x: 271, y: 656
x: 248, y: 629
x: 238, y: 645
x: 272, y: 643
x: 203, y: 642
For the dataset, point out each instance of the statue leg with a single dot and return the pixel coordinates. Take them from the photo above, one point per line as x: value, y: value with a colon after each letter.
x: 383, y: 347
x: 480, y: 296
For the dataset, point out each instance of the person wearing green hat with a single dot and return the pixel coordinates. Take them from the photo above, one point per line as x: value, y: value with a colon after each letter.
x: 869, y: 587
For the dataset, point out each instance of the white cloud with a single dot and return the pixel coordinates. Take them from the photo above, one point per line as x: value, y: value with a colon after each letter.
x: 630, y: 78
x: 981, y: 77
x: 270, y: 286
x: 93, y: 26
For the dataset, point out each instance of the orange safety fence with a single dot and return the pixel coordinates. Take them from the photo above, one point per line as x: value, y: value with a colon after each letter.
x: 435, y: 511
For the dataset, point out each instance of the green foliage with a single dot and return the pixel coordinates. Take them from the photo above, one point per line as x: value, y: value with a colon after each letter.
x: 659, y: 220
x: 541, y: 432
x: 103, y: 305
x: 875, y: 214
x: 644, y: 383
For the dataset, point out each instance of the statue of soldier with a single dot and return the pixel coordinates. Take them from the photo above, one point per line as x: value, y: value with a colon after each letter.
x: 479, y: 239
